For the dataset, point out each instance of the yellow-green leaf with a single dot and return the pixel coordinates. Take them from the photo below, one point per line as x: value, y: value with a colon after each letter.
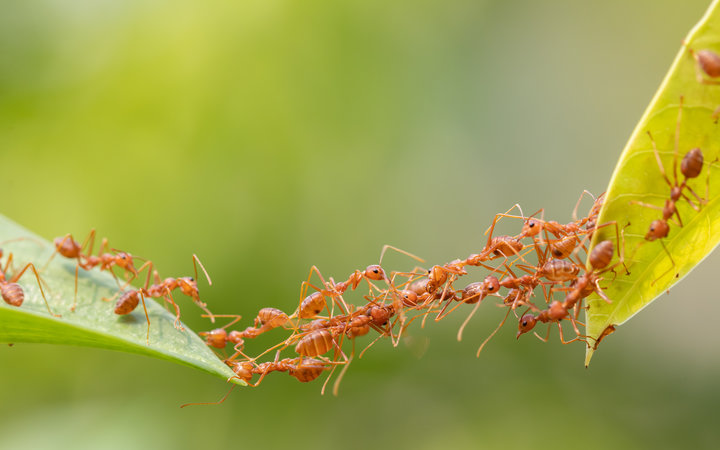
x: 637, y: 178
x: 93, y: 323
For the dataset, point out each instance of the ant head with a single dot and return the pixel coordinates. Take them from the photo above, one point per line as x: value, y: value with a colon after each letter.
x: 375, y: 272
x: 532, y: 227
x: 658, y: 230
x: 436, y: 276
x: 491, y: 284
x: 409, y: 298
x: 188, y: 286
x: 243, y: 369
x: 125, y: 261
x: 527, y: 323
x: 216, y: 338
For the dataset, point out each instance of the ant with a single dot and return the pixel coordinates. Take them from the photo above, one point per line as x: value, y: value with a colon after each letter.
x: 691, y: 166
x: 313, y: 304
x: 708, y: 62
x: 71, y: 249
x: 302, y: 369
x: 12, y: 292
x: 266, y: 320
x: 129, y: 300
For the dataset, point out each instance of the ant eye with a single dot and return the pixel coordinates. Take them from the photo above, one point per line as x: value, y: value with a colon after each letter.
x: 531, y: 224
x: 191, y: 278
x: 376, y: 271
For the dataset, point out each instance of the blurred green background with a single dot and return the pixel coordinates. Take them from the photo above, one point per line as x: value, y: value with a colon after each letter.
x: 267, y: 136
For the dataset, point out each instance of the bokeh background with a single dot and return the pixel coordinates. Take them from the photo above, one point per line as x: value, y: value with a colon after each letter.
x: 267, y: 136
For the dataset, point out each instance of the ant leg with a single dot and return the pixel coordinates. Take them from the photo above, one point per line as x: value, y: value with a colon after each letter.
x: 490, y: 230
x: 467, y: 319
x: 336, y: 385
x: 672, y: 262
x: 237, y: 318
x: 148, y: 264
x: 346, y: 361
x: 303, y: 291
x: 77, y: 273
x: 90, y: 239
x: 386, y: 247
x: 600, y: 291
x: 37, y: 277
x: 169, y: 298
x: 659, y: 161
x: 217, y: 402
x: 547, y: 335
x: 147, y: 317
x: 62, y: 242
x: 477, y: 355
x: 562, y: 338
x: 380, y: 335
x: 197, y: 260
x: 585, y: 191
x: 677, y: 139
x: 700, y: 200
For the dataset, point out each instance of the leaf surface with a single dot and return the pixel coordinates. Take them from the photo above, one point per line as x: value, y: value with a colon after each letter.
x: 637, y: 178
x: 93, y: 323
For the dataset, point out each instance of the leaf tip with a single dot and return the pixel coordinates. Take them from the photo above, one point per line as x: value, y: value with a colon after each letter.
x: 589, y: 352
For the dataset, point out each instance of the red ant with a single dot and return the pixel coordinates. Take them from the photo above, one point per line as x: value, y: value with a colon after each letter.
x: 71, y: 249
x: 12, y: 292
x: 691, y: 166
x: 708, y: 62
x: 302, y: 369
x: 129, y: 300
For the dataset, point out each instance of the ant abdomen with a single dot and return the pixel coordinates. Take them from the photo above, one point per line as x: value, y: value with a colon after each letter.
x: 601, y: 255
x: 559, y: 270
x: 315, y: 343
x: 67, y: 247
x: 380, y: 315
x: 312, y: 305
x: 272, y: 317
x: 216, y: 338
x: 308, y: 370
x: 473, y: 292
x: 12, y: 293
x: 127, y: 303
x: 562, y: 248
x: 692, y: 163
x: 709, y: 62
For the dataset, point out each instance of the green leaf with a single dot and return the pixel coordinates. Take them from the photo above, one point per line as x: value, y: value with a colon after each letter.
x: 637, y: 177
x: 93, y: 323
